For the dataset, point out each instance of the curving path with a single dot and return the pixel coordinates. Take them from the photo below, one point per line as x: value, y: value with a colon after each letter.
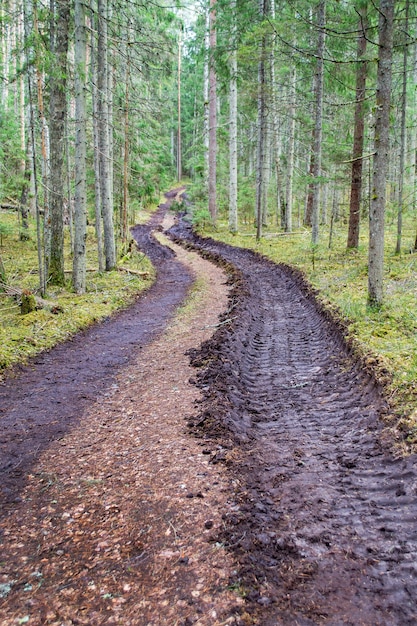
x: 325, y: 520
x: 49, y: 396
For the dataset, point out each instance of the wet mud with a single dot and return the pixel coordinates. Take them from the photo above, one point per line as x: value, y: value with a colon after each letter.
x: 325, y: 517
x: 46, y: 398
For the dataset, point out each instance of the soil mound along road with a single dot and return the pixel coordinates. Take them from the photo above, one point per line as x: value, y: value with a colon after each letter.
x: 325, y: 520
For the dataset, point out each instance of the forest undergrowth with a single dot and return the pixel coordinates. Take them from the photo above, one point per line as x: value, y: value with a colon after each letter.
x: 23, y: 336
x: 385, y: 338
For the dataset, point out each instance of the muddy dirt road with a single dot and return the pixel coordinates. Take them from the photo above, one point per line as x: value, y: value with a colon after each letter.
x: 319, y: 519
x: 325, y: 526
x: 48, y: 397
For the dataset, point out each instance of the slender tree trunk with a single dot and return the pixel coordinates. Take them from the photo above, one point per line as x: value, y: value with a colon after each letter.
x: 233, y: 226
x: 22, y: 111
x: 103, y: 138
x: 381, y: 158
x: 291, y: 151
x: 29, y: 18
x: 315, y: 218
x: 125, y: 201
x: 109, y: 100
x: 45, y: 154
x: 358, y: 138
x: 267, y: 171
x: 24, y: 197
x: 403, y: 137
x: 97, y: 193
x: 80, y: 196
x: 212, y: 117
x: 57, y: 135
x: 206, y: 96
x: 260, y: 165
x: 179, y: 147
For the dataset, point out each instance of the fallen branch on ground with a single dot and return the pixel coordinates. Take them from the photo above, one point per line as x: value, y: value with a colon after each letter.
x: 135, y: 272
x: 17, y: 292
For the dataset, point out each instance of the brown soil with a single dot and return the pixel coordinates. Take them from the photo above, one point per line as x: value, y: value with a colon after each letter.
x: 282, y: 490
x: 118, y: 519
x: 324, y: 525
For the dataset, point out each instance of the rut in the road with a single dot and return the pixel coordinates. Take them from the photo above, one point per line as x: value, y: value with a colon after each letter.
x: 326, y: 518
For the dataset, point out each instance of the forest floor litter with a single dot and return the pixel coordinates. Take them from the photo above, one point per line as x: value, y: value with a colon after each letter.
x: 262, y: 491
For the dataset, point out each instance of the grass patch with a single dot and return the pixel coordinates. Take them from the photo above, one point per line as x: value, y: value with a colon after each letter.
x: 23, y: 336
x: 340, y: 276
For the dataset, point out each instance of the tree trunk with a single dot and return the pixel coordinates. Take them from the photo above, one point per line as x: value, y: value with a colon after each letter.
x: 206, y: 124
x: 97, y: 194
x: 381, y: 149
x: 212, y: 200
x: 24, y: 197
x: 45, y: 153
x: 104, y: 138
x: 291, y: 151
x: 403, y: 137
x: 179, y: 147
x: 29, y: 19
x: 57, y: 138
x: 315, y: 218
x: 260, y: 165
x: 233, y: 226
x: 80, y: 196
x: 125, y: 200
x: 358, y: 138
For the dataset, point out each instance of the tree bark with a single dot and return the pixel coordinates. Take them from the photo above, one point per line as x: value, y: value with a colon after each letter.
x: 212, y: 200
x: 179, y: 140
x: 291, y: 151
x: 233, y: 226
x: 260, y: 165
x: 403, y: 137
x: 80, y: 196
x: 97, y: 194
x: 206, y: 124
x: 315, y: 217
x: 381, y: 157
x: 57, y: 138
x: 125, y: 201
x: 104, y: 138
x: 358, y: 137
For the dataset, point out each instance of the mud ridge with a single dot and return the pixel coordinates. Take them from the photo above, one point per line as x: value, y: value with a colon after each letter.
x: 324, y: 515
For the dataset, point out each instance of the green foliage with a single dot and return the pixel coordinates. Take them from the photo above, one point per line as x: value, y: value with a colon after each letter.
x: 201, y: 218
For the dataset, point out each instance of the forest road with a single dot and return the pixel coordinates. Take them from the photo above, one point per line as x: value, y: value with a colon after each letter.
x: 45, y: 399
x: 325, y: 518
x: 286, y: 507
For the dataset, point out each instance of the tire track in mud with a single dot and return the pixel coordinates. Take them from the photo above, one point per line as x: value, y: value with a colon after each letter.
x: 325, y: 520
